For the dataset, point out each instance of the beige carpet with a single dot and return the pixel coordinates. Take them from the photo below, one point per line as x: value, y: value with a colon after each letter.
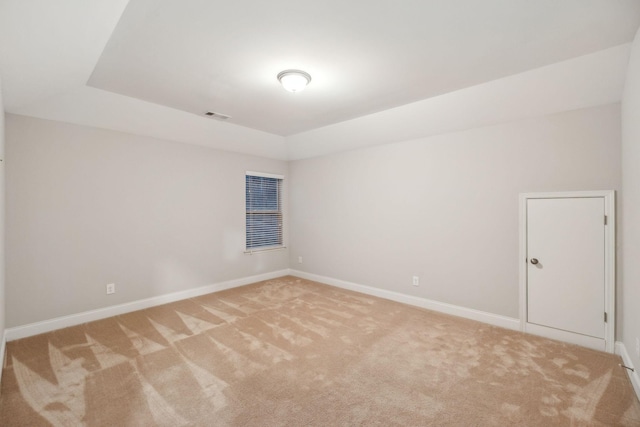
x: 289, y: 352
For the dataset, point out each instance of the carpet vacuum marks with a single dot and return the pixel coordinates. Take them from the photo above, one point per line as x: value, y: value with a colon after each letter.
x: 291, y: 352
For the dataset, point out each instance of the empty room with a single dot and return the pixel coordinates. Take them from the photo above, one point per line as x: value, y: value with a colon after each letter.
x: 410, y: 213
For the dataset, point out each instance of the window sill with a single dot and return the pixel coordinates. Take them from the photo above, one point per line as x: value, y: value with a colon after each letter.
x: 266, y: 249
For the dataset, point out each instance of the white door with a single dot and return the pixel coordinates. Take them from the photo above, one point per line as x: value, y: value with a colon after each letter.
x: 566, y: 269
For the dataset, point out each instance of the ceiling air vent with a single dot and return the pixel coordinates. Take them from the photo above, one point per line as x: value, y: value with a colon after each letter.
x: 218, y: 116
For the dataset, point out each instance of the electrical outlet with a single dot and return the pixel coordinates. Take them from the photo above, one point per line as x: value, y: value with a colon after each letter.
x: 637, y: 346
x: 299, y: 260
x: 416, y: 281
x: 111, y: 288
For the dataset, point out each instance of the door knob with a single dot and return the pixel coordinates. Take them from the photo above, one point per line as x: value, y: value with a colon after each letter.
x: 534, y: 261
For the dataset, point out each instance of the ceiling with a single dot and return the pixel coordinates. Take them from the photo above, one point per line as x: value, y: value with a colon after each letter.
x: 168, y: 61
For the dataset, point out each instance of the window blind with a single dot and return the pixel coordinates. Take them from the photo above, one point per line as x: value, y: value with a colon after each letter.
x: 263, y: 211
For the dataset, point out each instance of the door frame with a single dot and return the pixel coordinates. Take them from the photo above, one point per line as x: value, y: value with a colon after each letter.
x: 609, y: 266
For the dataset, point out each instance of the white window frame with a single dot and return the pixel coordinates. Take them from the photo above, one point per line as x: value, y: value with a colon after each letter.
x: 252, y: 250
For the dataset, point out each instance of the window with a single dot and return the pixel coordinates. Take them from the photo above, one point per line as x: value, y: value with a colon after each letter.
x: 263, y: 211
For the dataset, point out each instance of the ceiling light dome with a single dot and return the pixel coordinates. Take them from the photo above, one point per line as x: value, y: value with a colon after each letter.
x: 294, y: 80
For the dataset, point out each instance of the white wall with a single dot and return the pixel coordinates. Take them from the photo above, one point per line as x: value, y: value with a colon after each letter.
x: 2, y: 231
x: 87, y: 207
x: 445, y: 208
x: 630, y: 277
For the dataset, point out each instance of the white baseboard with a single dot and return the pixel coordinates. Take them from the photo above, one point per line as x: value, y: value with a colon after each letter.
x: 468, y: 313
x: 102, y: 313
x: 621, y: 351
x: 568, y: 337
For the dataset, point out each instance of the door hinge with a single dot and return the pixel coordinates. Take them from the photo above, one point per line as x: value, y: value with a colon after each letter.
x: 605, y: 317
x: 605, y: 220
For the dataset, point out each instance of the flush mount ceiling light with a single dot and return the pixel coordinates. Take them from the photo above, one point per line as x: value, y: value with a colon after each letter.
x: 294, y: 80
